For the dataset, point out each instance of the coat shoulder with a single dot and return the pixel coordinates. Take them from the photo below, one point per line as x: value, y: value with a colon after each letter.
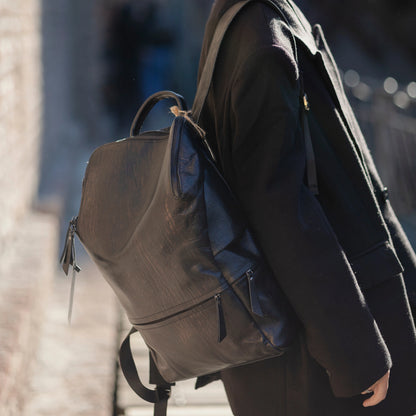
x: 256, y: 27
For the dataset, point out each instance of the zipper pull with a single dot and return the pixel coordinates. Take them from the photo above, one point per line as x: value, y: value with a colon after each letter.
x: 222, y: 332
x: 68, y: 253
x: 71, y: 293
x: 254, y: 300
x: 68, y: 259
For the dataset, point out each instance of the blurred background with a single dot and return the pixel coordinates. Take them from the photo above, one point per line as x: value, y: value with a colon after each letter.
x: 72, y: 75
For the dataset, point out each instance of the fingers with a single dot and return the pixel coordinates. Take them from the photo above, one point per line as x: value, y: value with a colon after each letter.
x: 376, y: 398
x: 379, y: 390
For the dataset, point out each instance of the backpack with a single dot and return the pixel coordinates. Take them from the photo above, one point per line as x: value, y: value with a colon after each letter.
x: 166, y: 232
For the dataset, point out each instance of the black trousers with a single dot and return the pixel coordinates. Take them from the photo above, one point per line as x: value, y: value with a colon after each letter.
x: 296, y: 385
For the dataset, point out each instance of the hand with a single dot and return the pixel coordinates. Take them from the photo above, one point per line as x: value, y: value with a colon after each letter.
x: 379, y: 390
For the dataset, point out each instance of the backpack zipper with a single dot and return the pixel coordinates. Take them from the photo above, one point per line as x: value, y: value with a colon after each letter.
x: 68, y: 253
x: 222, y: 331
x: 254, y: 299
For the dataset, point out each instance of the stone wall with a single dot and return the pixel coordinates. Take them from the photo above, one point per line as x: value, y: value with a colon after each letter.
x: 20, y: 111
x: 27, y: 238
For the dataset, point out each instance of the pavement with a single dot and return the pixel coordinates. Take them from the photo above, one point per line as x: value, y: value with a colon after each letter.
x: 73, y: 374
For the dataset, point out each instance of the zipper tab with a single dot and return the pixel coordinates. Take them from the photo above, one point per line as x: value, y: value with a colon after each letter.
x: 254, y: 300
x: 222, y: 332
x: 68, y: 259
x: 71, y: 295
x: 68, y: 253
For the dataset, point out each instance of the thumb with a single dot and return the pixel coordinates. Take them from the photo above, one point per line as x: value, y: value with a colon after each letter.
x: 379, y: 390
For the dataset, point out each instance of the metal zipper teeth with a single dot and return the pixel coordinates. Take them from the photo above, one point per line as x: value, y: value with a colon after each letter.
x: 216, y: 297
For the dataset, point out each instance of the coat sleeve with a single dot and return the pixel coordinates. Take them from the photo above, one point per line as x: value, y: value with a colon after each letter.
x: 291, y: 228
x: 404, y: 251
x: 400, y: 241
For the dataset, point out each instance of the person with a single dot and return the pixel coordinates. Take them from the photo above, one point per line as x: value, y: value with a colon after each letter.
x: 340, y: 256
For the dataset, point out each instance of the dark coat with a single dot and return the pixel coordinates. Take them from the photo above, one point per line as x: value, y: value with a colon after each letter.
x: 339, y: 256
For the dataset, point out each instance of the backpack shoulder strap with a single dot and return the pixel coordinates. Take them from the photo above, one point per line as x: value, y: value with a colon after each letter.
x: 208, y: 72
x: 219, y: 34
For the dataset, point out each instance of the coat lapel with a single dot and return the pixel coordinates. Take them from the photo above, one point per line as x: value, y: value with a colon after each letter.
x: 314, y: 40
x: 332, y: 73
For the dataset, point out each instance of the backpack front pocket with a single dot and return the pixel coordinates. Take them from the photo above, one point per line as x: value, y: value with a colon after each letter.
x: 217, y: 333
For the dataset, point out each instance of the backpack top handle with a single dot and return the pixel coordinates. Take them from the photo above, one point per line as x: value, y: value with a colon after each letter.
x: 147, y: 106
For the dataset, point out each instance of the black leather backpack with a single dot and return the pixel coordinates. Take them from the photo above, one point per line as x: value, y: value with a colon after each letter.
x: 161, y: 223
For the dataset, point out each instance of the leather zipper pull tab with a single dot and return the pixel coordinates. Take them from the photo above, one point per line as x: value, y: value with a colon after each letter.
x: 71, y: 295
x: 68, y: 258
x: 254, y: 300
x: 222, y: 332
x: 68, y: 253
